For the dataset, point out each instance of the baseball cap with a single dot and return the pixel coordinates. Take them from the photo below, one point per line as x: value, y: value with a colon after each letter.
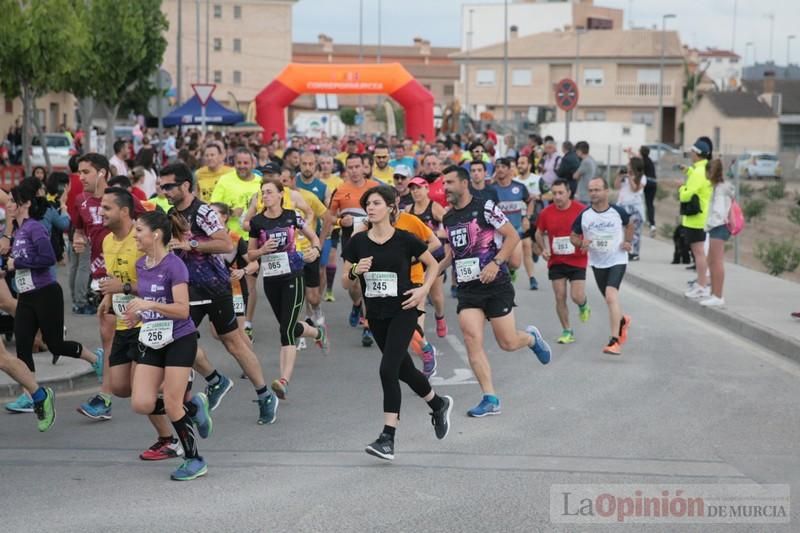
x: 701, y: 147
x: 402, y: 170
x: 419, y: 182
x: 271, y: 168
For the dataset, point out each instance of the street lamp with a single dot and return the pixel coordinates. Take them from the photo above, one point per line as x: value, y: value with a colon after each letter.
x: 789, y: 55
x: 746, y: 46
x: 660, y: 130
x: 466, y: 76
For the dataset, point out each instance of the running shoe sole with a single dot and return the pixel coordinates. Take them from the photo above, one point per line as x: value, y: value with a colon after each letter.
x: 93, y: 417
x: 279, y: 389
x: 487, y: 413
x: 379, y: 454
x: 202, y: 472
x: 623, y: 334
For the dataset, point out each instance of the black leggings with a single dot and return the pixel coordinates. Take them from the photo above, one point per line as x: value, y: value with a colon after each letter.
x: 393, y: 336
x: 286, y: 299
x: 649, y: 200
x: 42, y: 309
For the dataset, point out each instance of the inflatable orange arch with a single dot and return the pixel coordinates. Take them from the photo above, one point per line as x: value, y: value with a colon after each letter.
x: 385, y: 78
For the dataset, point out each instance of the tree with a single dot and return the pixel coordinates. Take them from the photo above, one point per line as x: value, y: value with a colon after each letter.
x: 348, y: 116
x: 41, y: 41
x: 126, y: 47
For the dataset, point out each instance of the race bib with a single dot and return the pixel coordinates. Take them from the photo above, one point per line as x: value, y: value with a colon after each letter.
x: 156, y: 334
x: 563, y: 246
x: 119, y: 302
x: 467, y: 269
x: 380, y: 284
x: 24, y: 280
x: 602, y: 243
x: 238, y: 304
x: 275, y: 264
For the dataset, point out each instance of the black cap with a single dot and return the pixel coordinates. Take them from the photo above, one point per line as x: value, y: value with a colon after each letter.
x: 270, y: 168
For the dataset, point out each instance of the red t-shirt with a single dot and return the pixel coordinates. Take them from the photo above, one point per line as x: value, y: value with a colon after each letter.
x: 558, y: 224
x: 90, y: 220
x: 436, y: 191
x: 138, y: 194
x: 75, y: 190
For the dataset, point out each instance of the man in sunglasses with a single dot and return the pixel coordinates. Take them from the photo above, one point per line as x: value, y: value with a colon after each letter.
x: 401, y: 176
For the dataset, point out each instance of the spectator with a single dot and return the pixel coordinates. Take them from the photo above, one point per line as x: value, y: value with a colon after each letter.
x: 549, y: 163
x: 138, y: 175
x: 695, y: 196
x: 650, y: 188
x: 631, y: 182
x: 40, y: 173
x: 118, y: 165
x: 144, y: 160
x: 587, y: 170
x: 569, y: 165
x: 717, y: 228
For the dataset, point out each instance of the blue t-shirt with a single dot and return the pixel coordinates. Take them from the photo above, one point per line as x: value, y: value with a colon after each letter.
x: 316, y: 186
x: 408, y: 161
x: 513, y: 201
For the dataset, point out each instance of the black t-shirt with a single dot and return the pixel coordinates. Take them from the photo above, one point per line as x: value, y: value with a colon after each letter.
x: 487, y: 193
x: 405, y: 200
x: 384, y: 285
x: 285, y: 262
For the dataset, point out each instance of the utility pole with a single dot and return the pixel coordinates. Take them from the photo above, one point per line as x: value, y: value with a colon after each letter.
x: 466, y: 70
x: 771, y: 18
x: 179, y: 60
x: 379, y: 31
x: 789, y: 55
x: 660, y: 130
x: 197, y: 39
x: 505, y: 62
x: 360, y: 59
x: 208, y: 5
x: 733, y: 36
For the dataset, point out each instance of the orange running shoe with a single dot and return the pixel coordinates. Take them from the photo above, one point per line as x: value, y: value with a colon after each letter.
x: 613, y: 347
x: 623, y: 329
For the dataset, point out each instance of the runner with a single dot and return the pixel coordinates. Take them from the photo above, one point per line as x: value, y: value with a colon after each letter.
x: 383, y: 171
x: 603, y: 230
x: 402, y: 174
x: 121, y: 254
x: 43, y: 397
x: 210, y: 174
x: 432, y: 172
x: 536, y: 190
x: 565, y: 263
x: 346, y: 211
x: 516, y: 205
x: 381, y: 259
x: 273, y: 235
x: 478, y: 186
x: 431, y: 214
x: 40, y: 301
x: 167, y: 341
x: 210, y: 289
x: 328, y: 258
x: 481, y: 241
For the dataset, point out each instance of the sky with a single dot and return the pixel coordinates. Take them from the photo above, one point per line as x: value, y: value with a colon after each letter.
x: 701, y: 23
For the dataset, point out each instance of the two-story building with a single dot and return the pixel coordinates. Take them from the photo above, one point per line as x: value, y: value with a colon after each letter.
x: 617, y: 72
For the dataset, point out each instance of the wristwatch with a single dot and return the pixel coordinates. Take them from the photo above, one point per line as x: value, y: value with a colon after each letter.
x: 193, y: 244
x: 497, y: 262
x: 126, y: 289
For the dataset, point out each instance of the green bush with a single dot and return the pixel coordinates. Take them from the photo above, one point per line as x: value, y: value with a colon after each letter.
x: 794, y: 215
x: 778, y: 256
x: 348, y: 116
x: 745, y: 190
x: 776, y: 191
x: 754, y: 208
x: 666, y: 230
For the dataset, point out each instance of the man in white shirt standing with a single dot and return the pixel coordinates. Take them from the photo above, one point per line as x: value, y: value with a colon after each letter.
x: 118, y: 165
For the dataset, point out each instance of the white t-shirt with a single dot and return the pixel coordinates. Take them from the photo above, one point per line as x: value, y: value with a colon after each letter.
x: 532, y: 183
x: 626, y: 195
x: 606, y: 230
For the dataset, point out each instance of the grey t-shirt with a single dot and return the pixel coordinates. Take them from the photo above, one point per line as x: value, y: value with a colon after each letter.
x: 586, y: 171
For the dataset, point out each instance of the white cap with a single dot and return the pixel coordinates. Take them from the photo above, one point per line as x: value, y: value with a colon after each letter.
x: 403, y: 170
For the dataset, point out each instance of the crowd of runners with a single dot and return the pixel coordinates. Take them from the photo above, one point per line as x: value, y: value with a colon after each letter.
x: 394, y: 221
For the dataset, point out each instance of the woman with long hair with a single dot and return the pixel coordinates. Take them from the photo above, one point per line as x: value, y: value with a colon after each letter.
x: 717, y: 228
x: 380, y: 260
x: 167, y: 340
x: 630, y: 185
x: 273, y: 237
x: 650, y: 188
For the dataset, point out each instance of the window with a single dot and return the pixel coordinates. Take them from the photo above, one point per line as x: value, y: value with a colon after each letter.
x: 9, y: 105
x: 734, y: 60
x: 648, y: 75
x: 217, y: 76
x: 593, y: 77
x: 217, y: 11
x: 594, y: 116
x: 217, y: 44
x: 449, y: 90
x: 484, y: 78
x: 521, y: 77
x: 237, y: 77
x: 237, y: 45
x: 237, y: 12
x: 719, y: 60
x: 647, y: 118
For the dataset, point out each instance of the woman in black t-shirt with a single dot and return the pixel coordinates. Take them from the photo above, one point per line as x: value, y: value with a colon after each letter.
x: 273, y: 234
x: 380, y: 259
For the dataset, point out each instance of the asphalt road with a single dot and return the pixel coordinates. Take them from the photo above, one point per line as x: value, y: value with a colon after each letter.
x: 686, y: 404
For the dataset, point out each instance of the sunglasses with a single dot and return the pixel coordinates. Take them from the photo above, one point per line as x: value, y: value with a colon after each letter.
x: 169, y: 186
x: 399, y: 177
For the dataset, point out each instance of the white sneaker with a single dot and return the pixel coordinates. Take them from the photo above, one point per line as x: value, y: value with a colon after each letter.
x: 698, y: 291
x: 301, y: 344
x: 713, y: 302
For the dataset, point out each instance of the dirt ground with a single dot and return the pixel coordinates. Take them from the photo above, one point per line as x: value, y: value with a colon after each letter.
x: 774, y: 223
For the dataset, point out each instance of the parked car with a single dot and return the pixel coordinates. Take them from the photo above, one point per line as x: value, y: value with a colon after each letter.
x: 757, y: 165
x: 59, y: 148
x: 659, y: 149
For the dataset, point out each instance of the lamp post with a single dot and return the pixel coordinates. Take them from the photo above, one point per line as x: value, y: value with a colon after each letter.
x: 466, y: 70
x: 505, y: 62
x: 789, y: 55
x: 746, y: 46
x: 660, y: 130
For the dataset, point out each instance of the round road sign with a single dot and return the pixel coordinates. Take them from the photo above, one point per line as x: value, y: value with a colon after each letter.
x: 566, y: 94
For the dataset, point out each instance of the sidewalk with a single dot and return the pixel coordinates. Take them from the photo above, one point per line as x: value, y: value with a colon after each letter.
x: 757, y: 307
x: 69, y: 374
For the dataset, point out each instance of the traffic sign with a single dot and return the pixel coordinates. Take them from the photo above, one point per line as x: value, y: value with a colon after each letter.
x: 566, y: 94
x: 203, y: 91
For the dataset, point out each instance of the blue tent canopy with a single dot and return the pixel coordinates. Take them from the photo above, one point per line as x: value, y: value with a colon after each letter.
x: 191, y: 113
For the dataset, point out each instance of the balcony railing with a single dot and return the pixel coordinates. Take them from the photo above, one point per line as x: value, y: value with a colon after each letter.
x: 641, y: 89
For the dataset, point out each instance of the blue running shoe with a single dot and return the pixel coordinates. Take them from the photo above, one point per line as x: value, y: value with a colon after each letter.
x: 355, y: 316
x: 534, y: 285
x: 97, y: 408
x: 23, y: 404
x: 267, y: 409
x: 540, y: 346
x: 202, y: 418
x: 366, y: 338
x: 485, y: 408
x: 98, y: 365
x: 215, y: 393
x: 190, y: 469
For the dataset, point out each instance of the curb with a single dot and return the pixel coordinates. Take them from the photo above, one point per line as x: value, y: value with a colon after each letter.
x: 85, y: 381
x: 768, y: 338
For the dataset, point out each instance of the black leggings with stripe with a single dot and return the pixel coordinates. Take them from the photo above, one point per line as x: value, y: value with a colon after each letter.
x: 286, y: 297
